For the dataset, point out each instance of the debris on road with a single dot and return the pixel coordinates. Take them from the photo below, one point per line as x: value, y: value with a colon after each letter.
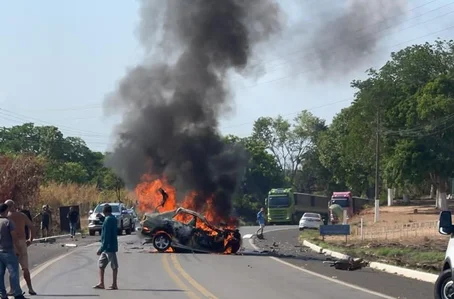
x: 349, y: 264
x: 68, y: 245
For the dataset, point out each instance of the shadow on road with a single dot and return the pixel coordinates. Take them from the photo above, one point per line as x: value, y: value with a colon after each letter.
x: 152, y: 290
x: 67, y: 295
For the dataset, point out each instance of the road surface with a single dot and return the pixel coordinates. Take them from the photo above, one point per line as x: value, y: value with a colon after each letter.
x: 286, y: 241
x: 144, y: 273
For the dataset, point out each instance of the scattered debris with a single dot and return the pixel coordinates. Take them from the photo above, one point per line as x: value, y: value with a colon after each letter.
x: 349, y: 264
x: 68, y: 245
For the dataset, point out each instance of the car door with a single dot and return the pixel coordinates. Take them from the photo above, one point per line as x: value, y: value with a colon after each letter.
x: 124, y: 216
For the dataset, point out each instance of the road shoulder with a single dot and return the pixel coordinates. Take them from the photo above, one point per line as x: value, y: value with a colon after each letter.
x: 285, y: 245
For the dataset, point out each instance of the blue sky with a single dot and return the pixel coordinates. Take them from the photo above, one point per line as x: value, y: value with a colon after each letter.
x: 59, y: 59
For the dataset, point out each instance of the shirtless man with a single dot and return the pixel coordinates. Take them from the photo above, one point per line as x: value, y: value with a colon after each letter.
x: 21, y: 221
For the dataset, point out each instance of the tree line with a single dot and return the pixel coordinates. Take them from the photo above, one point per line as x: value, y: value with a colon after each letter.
x: 407, y: 106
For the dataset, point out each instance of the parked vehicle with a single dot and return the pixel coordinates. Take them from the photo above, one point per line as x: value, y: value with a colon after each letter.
x: 135, y: 219
x: 444, y: 286
x: 311, y: 221
x: 124, y: 219
x: 283, y: 206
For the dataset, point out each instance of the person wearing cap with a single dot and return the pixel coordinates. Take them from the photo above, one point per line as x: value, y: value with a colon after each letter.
x: 8, y: 258
x: 22, y: 221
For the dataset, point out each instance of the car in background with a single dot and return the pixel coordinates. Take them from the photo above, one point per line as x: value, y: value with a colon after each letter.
x: 119, y: 210
x: 135, y: 218
x: 184, y: 229
x: 311, y: 221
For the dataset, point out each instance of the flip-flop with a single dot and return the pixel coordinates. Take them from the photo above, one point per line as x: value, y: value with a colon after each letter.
x: 113, y: 288
x: 98, y: 287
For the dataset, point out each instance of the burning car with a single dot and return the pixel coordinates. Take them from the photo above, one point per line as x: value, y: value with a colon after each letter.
x: 188, y: 230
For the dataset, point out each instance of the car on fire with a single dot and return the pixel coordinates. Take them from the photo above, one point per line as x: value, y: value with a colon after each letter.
x: 187, y: 230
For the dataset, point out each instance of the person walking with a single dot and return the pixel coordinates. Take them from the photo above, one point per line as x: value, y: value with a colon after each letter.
x: 46, y: 220
x: 261, y: 221
x: 8, y: 258
x: 73, y: 217
x: 21, y: 221
x: 109, y: 248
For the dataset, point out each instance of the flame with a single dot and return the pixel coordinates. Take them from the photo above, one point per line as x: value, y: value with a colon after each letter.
x: 150, y: 199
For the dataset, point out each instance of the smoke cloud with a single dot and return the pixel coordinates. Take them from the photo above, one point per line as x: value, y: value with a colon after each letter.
x: 171, y: 103
x: 345, y: 39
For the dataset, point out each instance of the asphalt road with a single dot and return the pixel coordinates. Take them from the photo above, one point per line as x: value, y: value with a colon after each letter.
x: 144, y: 273
x: 286, y: 246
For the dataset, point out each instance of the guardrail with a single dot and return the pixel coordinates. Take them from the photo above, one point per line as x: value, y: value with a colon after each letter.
x: 397, y: 231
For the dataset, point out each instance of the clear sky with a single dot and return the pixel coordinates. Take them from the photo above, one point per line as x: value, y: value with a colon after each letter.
x: 58, y: 60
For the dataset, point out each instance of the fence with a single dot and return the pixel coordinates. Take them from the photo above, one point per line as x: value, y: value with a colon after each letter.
x: 397, y: 231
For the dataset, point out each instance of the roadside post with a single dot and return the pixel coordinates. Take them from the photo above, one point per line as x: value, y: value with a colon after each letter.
x: 335, y: 230
x: 345, y: 216
x: 362, y: 235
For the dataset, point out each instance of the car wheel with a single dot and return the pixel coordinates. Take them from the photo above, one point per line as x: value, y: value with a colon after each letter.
x: 234, y: 246
x: 128, y: 231
x: 161, y: 241
x: 444, y: 288
x: 301, y: 228
x: 92, y: 232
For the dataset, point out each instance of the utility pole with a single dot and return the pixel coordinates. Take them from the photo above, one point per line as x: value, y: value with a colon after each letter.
x: 377, y: 162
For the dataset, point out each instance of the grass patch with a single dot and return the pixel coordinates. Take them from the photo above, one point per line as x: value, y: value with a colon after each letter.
x: 424, y: 255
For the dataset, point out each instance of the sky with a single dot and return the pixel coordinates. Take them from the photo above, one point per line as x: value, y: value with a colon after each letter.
x: 59, y: 60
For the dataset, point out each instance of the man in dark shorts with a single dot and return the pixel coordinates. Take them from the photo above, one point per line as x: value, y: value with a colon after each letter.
x: 109, y: 248
x: 27, y: 213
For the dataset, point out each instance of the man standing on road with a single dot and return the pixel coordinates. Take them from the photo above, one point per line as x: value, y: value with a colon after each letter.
x: 73, y: 217
x: 46, y: 221
x: 108, y: 249
x: 8, y: 258
x: 21, y: 221
x: 27, y: 213
x: 261, y: 221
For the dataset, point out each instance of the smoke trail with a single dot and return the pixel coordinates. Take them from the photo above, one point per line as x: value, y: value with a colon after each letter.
x: 171, y: 103
x: 342, y: 43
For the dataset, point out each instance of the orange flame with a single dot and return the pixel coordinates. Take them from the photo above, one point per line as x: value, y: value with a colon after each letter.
x: 150, y: 199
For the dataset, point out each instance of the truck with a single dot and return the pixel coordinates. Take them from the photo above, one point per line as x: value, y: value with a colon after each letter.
x: 342, y: 200
x: 284, y: 206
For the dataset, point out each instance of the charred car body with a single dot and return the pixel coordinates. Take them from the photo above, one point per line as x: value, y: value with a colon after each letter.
x: 187, y: 230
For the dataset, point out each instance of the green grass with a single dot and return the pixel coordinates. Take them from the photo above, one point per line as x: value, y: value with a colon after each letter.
x: 413, y: 257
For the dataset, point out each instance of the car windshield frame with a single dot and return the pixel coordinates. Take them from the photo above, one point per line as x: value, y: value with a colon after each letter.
x: 280, y: 203
x: 115, y: 209
x: 311, y: 215
x: 341, y: 201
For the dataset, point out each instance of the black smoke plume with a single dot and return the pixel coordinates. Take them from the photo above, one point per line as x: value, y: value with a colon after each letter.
x: 342, y: 40
x: 171, y: 103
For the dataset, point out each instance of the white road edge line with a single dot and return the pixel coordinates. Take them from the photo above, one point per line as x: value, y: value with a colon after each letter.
x: 332, y: 279
x: 49, y: 263
x: 323, y: 276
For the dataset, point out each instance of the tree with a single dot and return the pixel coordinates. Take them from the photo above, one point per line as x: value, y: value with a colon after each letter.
x: 262, y: 173
x: 20, y: 177
x: 288, y: 142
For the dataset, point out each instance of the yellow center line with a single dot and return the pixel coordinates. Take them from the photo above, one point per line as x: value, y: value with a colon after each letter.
x: 194, y: 283
x: 176, y: 279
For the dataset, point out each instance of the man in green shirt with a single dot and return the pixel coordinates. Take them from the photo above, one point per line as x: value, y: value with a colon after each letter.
x: 109, y: 247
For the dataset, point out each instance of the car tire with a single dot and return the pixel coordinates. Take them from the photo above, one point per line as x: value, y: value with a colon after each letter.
x: 301, y: 228
x: 234, y: 246
x: 128, y: 231
x: 162, y: 242
x: 91, y: 232
x: 444, y: 285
